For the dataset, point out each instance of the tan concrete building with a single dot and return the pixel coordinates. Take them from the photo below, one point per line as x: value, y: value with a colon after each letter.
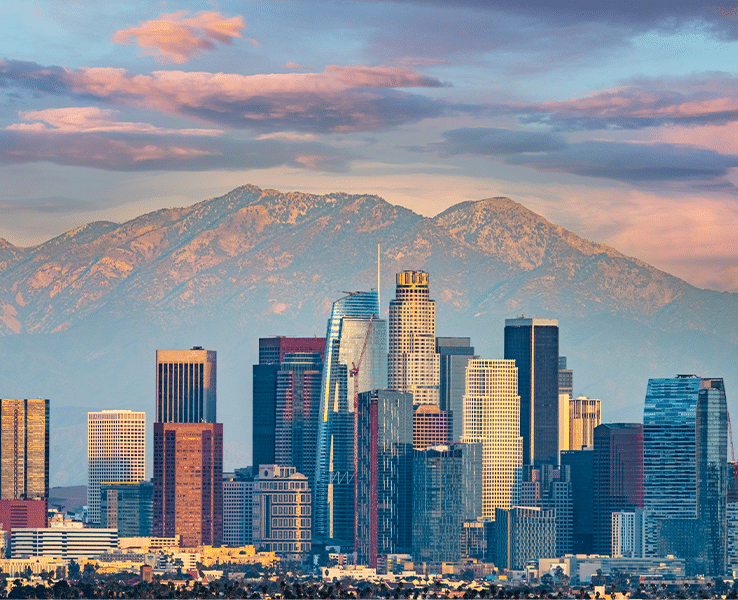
x: 431, y: 426
x: 185, y: 386
x: 24, y: 449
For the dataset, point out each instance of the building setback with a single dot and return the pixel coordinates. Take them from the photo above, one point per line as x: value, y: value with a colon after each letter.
x: 534, y: 346
x: 24, y: 449
x: 188, y: 482
x: 185, y: 386
x: 116, y: 452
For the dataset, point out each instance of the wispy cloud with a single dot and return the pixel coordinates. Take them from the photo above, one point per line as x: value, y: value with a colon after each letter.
x: 340, y: 99
x: 173, y: 37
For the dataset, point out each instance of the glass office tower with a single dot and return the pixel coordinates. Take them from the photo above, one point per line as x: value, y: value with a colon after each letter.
x: 353, y: 328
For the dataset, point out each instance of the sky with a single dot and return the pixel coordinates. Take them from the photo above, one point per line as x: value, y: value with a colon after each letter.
x: 615, y: 119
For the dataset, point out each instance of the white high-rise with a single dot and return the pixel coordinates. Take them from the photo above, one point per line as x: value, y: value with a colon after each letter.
x: 413, y: 363
x: 116, y: 452
x: 492, y: 417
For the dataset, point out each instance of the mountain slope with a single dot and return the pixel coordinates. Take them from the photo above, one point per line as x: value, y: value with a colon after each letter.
x: 91, y: 306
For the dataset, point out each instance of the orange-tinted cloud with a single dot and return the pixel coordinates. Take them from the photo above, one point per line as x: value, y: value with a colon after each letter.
x: 340, y: 99
x: 176, y: 38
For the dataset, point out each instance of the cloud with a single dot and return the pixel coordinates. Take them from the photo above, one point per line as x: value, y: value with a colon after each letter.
x: 146, y: 152
x: 635, y: 108
x: 293, y: 65
x: 176, y: 38
x: 89, y: 119
x: 633, y: 163
x: 340, y: 99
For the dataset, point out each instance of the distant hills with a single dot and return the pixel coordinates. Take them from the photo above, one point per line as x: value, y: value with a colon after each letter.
x: 82, y: 314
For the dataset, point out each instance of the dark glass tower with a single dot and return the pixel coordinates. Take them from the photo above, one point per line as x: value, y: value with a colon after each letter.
x: 454, y: 354
x: 685, y: 463
x: 618, y: 477
x: 384, y: 516
x: 534, y: 345
x: 272, y: 352
x: 580, y: 464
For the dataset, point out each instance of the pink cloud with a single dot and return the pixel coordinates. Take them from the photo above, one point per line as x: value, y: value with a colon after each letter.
x: 340, y: 99
x: 175, y: 38
x: 293, y: 65
x: 88, y: 119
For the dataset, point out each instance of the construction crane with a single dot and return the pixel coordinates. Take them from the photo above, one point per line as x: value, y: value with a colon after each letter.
x: 354, y: 372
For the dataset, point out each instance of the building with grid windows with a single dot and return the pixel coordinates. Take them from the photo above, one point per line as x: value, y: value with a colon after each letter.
x: 431, y: 426
x: 127, y: 508
x: 24, y: 449
x: 238, y: 491
x: 116, y: 452
x: 454, y: 354
x: 281, y: 512
x: 413, y: 363
x: 492, y: 418
x: 523, y: 534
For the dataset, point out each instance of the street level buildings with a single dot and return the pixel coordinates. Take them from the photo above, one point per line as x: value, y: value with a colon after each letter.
x: 116, y: 452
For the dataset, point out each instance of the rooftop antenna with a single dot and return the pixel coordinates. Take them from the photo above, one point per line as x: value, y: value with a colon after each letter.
x: 379, y: 289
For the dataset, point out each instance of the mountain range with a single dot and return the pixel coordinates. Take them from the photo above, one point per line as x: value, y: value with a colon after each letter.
x: 82, y: 314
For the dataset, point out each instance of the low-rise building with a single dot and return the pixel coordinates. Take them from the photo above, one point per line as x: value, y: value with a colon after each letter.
x: 62, y: 542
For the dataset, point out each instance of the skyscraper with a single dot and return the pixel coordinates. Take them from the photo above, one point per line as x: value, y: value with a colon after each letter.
x: 534, y: 346
x: 353, y: 329
x: 116, y: 453
x: 185, y: 386
x: 272, y: 352
x: 566, y: 378
x: 685, y: 466
x: 188, y: 482
x: 24, y: 449
x: 127, y: 508
x: 385, y: 475
x: 580, y: 464
x: 491, y: 417
x: 297, y: 410
x: 618, y: 477
x: 413, y: 362
x: 431, y: 426
x: 454, y: 354
x: 584, y: 415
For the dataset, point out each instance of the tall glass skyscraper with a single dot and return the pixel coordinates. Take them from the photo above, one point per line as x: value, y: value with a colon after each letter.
x: 685, y: 469
x: 352, y: 325
x: 454, y: 354
x: 534, y: 345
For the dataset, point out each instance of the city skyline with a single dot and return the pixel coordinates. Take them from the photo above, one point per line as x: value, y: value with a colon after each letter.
x: 615, y: 119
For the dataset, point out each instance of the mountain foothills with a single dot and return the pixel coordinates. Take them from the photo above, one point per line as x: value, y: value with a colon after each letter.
x: 82, y: 314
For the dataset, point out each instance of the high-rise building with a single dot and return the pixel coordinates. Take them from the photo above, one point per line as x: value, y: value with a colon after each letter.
x: 630, y: 533
x: 384, y: 509
x: 355, y: 337
x: 116, y: 452
x: 188, y: 482
x: 297, y: 410
x: 185, y: 386
x: 454, y: 354
x: 447, y: 492
x: 566, y: 378
x: 580, y: 465
x: 618, y: 477
x: 491, y: 417
x: 127, y: 507
x: 24, y: 449
x: 550, y: 488
x: 413, y: 362
x: 272, y: 353
x: 281, y: 512
x: 523, y: 534
x: 685, y: 465
x: 584, y: 415
x: 238, y: 493
x: 431, y: 426
x: 534, y: 346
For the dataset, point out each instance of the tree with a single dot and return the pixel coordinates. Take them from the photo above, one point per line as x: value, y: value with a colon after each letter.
x: 74, y: 570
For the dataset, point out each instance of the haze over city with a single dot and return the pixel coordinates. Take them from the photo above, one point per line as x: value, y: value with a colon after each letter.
x: 616, y: 120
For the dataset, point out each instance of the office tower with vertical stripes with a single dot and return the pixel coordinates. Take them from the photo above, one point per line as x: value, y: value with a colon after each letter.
x: 185, y: 386
x: 116, y: 453
x: 454, y: 354
x: 413, y: 362
x: 24, y: 449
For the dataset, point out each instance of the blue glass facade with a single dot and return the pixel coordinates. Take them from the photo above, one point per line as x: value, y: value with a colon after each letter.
x: 349, y: 327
